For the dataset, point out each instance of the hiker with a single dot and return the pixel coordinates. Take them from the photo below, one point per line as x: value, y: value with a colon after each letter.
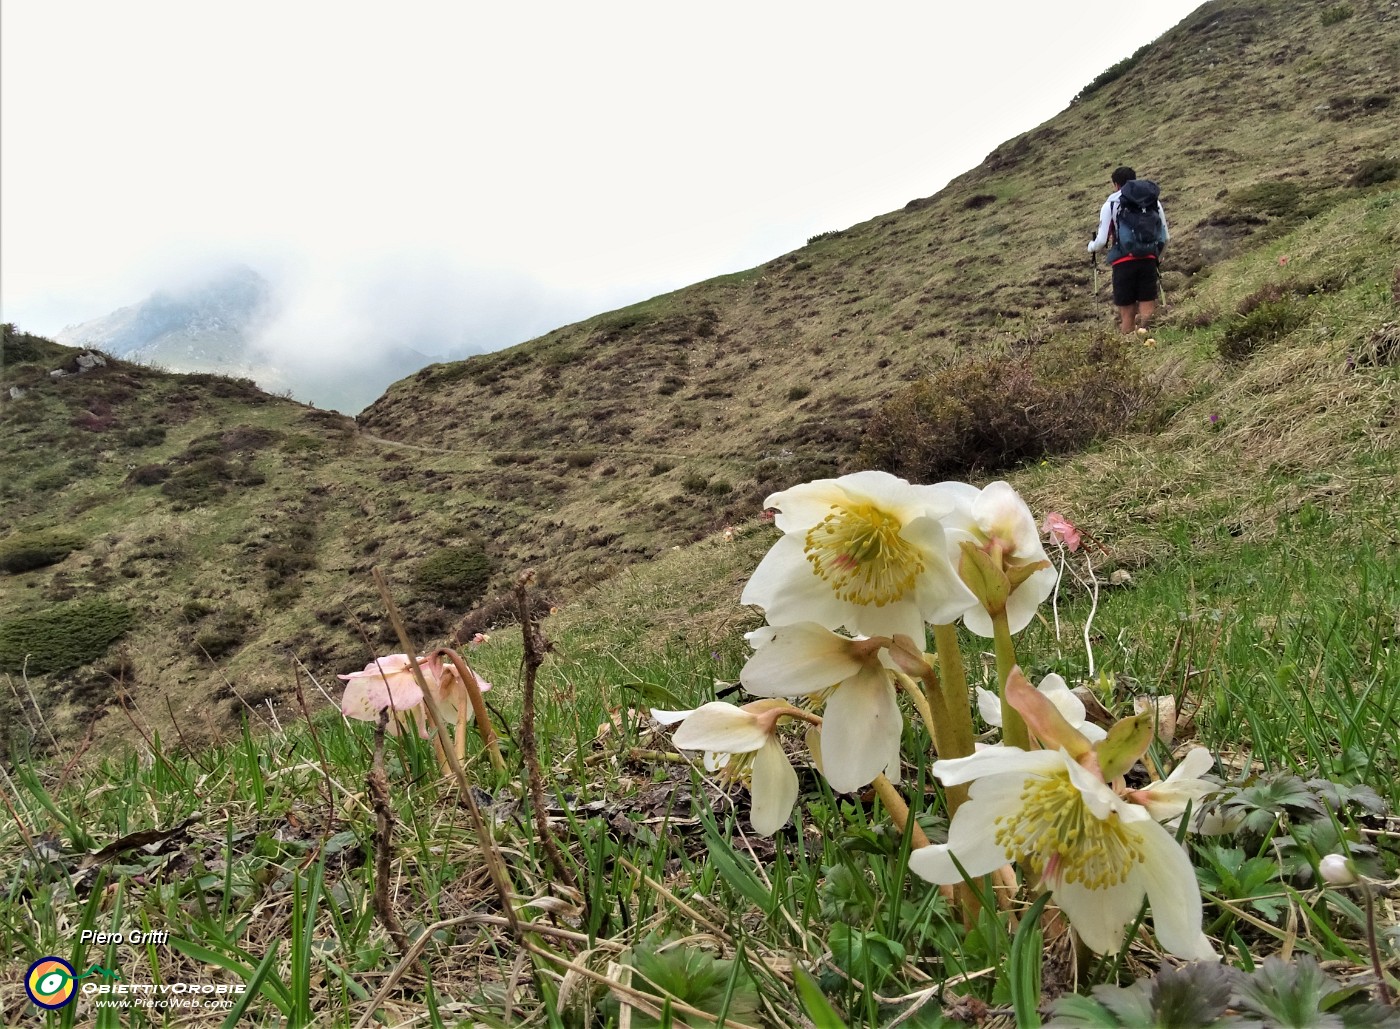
x: 1133, y: 226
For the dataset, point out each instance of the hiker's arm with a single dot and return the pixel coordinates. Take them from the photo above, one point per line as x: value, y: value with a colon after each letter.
x: 1100, y: 240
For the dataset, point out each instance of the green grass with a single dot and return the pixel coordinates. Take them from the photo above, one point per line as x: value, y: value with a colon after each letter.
x: 1280, y: 657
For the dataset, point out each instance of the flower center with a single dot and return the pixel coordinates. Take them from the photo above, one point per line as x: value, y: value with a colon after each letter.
x: 1059, y: 839
x: 858, y: 550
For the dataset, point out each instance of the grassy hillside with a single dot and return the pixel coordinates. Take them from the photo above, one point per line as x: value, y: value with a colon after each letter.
x: 232, y: 533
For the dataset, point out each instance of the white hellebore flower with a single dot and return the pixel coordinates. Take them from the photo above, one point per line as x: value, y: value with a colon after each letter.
x: 861, y: 723
x: 865, y: 551
x: 722, y: 729
x: 1058, y: 693
x: 997, y: 519
x: 1098, y: 852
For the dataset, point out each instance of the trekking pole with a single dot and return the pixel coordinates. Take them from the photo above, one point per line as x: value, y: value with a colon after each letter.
x: 1094, y: 260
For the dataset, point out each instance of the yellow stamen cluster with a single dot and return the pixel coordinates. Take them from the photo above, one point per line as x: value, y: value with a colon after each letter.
x: 859, y: 551
x: 1057, y: 837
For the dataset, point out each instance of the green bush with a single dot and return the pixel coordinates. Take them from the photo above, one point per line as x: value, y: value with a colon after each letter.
x: 28, y: 551
x: 1262, y: 323
x: 454, y: 575
x: 63, y: 637
x: 996, y: 411
x: 694, y: 482
x: 1117, y: 71
x: 1375, y: 171
x: 1335, y: 14
x: 798, y: 393
x: 143, y: 436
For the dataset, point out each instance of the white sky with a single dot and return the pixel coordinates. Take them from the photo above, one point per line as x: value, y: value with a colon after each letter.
x: 485, y: 171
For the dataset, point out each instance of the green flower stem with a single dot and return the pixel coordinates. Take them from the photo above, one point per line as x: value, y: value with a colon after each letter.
x: 1013, y: 727
x: 951, y: 686
x: 1382, y: 988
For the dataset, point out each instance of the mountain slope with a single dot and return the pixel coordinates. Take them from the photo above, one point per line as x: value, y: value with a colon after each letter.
x: 1253, y: 117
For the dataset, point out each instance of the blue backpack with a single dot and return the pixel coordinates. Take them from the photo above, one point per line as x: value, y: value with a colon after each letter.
x: 1138, y: 229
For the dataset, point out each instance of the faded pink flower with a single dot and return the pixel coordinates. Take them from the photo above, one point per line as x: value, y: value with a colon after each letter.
x: 1283, y: 260
x: 388, y: 682
x: 1061, y: 530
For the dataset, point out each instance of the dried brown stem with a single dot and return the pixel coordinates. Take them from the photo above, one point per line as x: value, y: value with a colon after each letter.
x: 535, y: 648
x: 320, y: 753
x: 495, y: 864
x: 377, y: 783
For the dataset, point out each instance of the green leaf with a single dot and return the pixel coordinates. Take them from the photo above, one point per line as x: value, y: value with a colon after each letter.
x: 1023, y: 968
x: 733, y: 872
x: 814, y: 1002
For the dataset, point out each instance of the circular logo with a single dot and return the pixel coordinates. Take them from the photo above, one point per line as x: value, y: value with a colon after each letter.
x: 50, y: 983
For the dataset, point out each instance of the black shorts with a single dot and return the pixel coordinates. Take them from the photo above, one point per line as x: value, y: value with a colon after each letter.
x: 1134, y: 281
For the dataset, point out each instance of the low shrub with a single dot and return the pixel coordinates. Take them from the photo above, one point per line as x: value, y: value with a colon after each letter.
x: 1262, y: 323
x: 143, y: 436
x: 694, y: 482
x: 63, y: 637
x: 798, y: 393
x: 995, y: 411
x: 148, y: 475
x: 454, y: 575
x: 1335, y: 14
x: 1375, y: 171
x: 27, y: 551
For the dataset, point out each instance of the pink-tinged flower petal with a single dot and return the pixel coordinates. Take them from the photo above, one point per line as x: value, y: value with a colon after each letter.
x: 721, y: 727
x: 861, y: 727
x: 366, y: 695
x: 1061, y: 530
x: 670, y: 717
x: 1101, y: 916
x: 773, y: 789
x: 1043, y: 717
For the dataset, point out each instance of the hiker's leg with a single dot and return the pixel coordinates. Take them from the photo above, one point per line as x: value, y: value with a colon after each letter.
x: 1125, y: 296
x: 1145, y: 308
x: 1127, y: 318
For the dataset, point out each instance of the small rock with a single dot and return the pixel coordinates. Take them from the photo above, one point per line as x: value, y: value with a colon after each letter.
x: 58, y: 373
x: 1119, y: 577
x: 16, y: 392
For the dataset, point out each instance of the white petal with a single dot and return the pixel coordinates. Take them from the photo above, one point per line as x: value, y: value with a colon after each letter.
x: 789, y: 590
x: 1098, y: 798
x: 941, y: 594
x: 774, y: 789
x: 998, y: 761
x: 861, y: 727
x: 971, y: 836
x: 1025, y: 598
x: 1101, y: 916
x: 1174, y: 895
x: 989, y: 706
x: 803, y: 506
x: 1197, y: 762
x: 670, y: 717
x: 720, y: 726
x: 900, y: 618
x: 799, y: 659
x: 1000, y: 512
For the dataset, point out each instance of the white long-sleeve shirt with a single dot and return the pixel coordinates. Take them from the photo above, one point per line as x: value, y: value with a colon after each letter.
x: 1106, y: 213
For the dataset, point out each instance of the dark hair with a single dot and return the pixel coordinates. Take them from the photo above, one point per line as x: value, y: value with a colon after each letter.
x: 1122, y: 175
